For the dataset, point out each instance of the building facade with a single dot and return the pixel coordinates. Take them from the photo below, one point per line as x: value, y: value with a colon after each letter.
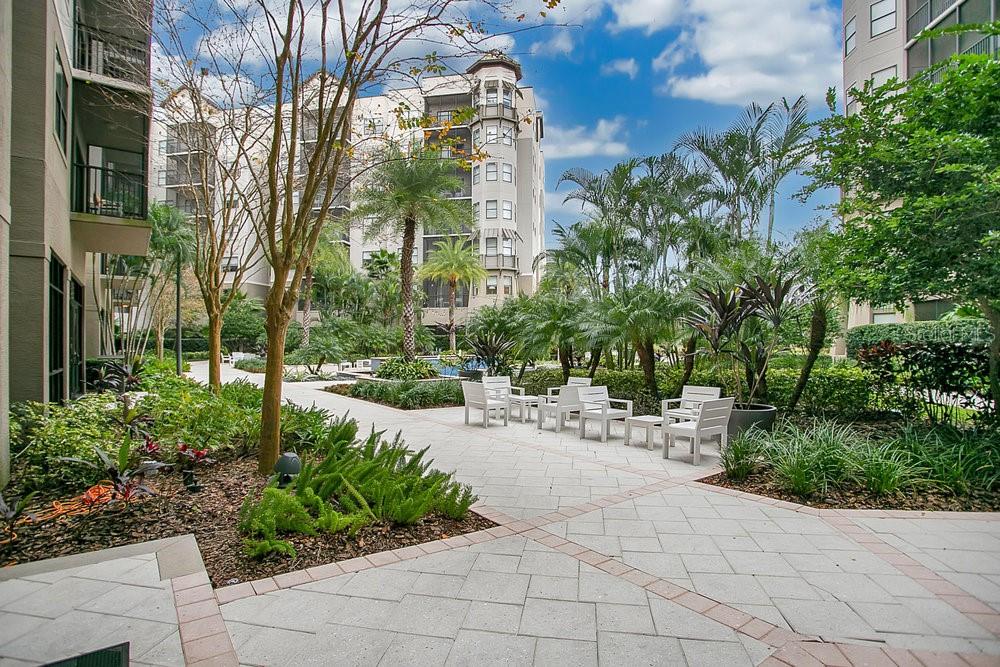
x: 880, y: 43
x: 75, y: 99
x: 504, y: 189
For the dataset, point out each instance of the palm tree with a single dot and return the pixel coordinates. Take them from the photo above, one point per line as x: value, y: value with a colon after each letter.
x: 405, y: 190
x: 554, y: 321
x: 787, y: 149
x: 455, y: 262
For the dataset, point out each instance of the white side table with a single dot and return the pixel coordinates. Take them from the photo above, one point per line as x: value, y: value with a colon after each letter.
x: 648, y: 422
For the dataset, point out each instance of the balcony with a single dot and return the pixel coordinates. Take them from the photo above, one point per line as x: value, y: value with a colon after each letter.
x: 175, y: 178
x: 178, y: 146
x: 495, y: 262
x: 984, y: 47
x: 113, y: 56
x: 496, y: 111
x: 109, y: 210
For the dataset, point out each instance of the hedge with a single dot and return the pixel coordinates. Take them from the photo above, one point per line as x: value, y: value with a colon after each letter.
x: 968, y: 331
x: 838, y: 389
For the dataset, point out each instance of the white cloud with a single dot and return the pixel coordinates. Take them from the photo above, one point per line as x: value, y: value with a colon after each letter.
x: 557, y: 207
x: 560, y: 44
x: 649, y: 15
x: 604, y: 139
x: 627, y: 66
x: 753, y: 50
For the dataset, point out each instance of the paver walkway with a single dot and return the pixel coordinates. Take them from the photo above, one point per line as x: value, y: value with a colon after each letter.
x: 611, y: 555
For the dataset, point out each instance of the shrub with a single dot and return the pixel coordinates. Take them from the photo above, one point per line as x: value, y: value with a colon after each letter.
x: 410, y: 395
x: 742, y: 455
x: 956, y: 460
x: 251, y: 365
x: 809, y: 460
x: 195, y: 356
x: 882, y: 469
x: 398, y: 368
x: 839, y: 390
x: 970, y: 332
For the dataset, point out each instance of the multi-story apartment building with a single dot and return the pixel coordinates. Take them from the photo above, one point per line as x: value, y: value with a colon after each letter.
x: 880, y: 43
x: 75, y: 100
x: 504, y: 190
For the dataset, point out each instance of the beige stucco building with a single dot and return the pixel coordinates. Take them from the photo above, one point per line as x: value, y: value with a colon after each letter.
x: 880, y: 44
x: 74, y: 99
x: 505, y: 190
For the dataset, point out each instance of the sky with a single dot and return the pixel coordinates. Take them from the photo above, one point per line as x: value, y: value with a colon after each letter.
x: 623, y: 78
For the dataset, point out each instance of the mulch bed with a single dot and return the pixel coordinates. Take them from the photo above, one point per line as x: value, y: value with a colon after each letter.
x: 926, y: 500
x: 211, y: 515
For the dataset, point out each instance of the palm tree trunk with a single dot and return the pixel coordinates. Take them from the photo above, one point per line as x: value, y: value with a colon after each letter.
x: 595, y: 361
x: 690, y: 347
x: 770, y: 218
x: 564, y: 360
x: 452, y: 292
x: 817, y: 335
x: 647, y: 361
x: 406, y: 285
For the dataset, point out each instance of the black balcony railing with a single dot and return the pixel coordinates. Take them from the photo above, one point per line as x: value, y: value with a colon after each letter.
x: 100, y: 191
x: 184, y: 178
x: 112, y: 55
x: 984, y: 47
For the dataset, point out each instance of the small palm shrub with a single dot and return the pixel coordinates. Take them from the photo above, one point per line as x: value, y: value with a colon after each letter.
x: 399, y: 368
x: 743, y: 455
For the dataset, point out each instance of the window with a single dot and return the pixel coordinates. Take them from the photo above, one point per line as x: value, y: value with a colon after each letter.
x: 491, y: 209
x: 508, y: 172
x: 852, y: 104
x: 491, y: 285
x: 508, y: 210
x: 508, y: 285
x: 445, y: 152
x: 508, y: 96
x: 884, y: 318
x: 508, y: 247
x: 475, y: 211
x: 507, y: 135
x: 883, y: 76
x: 491, y: 171
x: 491, y: 246
x: 231, y: 264
x: 57, y: 328
x: 62, y: 103
x: 366, y: 257
x: 492, y: 94
x: 444, y: 116
x: 374, y: 126
x: 76, y: 361
x: 475, y: 174
x: 492, y: 132
x: 883, y: 15
x: 850, y: 35
x: 476, y: 136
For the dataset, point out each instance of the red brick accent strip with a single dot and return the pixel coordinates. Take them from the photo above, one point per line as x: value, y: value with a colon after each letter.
x: 204, y: 638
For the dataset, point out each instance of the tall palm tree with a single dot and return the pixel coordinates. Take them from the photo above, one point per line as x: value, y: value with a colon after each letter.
x: 787, y: 149
x: 405, y: 190
x: 455, y: 262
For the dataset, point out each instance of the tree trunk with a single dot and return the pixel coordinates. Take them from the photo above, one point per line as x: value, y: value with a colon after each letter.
x: 993, y: 315
x: 159, y: 343
x: 647, y: 361
x: 276, y: 326
x: 770, y: 219
x: 595, y: 361
x: 564, y: 361
x: 406, y: 285
x: 307, y: 306
x: 690, y: 348
x: 817, y: 334
x: 452, y: 291
x: 215, y: 351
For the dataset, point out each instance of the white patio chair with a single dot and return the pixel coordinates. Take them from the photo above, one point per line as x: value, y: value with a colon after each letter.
x: 560, y: 407
x: 227, y: 358
x: 686, y: 406
x: 572, y: 382
x: 499, y: 386
x: 597, y: 407
x: 712, y: 419
x: 476, y: 397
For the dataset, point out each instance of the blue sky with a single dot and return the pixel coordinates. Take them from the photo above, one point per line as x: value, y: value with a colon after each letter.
x: 628, y: 77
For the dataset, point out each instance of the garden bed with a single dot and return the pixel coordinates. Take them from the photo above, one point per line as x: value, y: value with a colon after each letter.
x: 212, y: 516
x: 858, y: 498
x: 404, y: 395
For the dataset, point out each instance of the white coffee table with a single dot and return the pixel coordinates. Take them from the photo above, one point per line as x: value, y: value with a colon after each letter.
x: 648, y: 422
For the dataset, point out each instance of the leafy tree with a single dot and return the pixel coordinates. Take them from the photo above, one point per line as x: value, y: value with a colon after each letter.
x: 404, y: 190
x: 919, y: 169
x: 455, y: 262
x: 243, y: 321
